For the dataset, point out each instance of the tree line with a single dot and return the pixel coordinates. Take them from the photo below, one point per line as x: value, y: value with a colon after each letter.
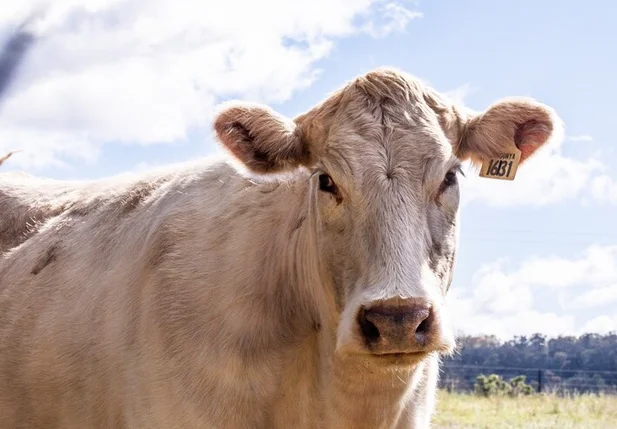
x: 587, y: 363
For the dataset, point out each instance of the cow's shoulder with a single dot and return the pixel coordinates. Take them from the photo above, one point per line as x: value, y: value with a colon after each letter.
x: 30, y: 204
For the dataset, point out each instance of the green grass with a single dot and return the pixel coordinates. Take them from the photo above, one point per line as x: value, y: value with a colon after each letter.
x: 461, y: 411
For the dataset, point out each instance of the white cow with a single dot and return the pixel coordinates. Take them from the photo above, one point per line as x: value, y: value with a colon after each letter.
x: 298, y: 284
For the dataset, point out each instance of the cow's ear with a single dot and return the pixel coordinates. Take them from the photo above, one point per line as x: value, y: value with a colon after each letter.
x: 264, y: 141
x: 522, y: 121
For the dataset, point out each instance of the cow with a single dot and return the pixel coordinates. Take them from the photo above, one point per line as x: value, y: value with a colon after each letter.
x: 297, y: 281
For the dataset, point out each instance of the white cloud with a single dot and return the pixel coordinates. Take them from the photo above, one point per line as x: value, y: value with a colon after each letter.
x: 597, y: 266
x: 604, y: 188
x: 601, y: 324
x: 598, y: 297
x: 467, y: 320
x: 459, y: 95
x: 580, y: 138
x: 509, y: 297
x: 395, y: 18
x: 150, y: 71
x: 504, y: 302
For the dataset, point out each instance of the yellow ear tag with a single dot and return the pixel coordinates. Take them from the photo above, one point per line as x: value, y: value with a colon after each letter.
x: 503, y: 166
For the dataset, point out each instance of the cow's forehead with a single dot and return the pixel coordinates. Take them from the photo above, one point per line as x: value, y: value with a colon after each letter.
x: 386, y: 125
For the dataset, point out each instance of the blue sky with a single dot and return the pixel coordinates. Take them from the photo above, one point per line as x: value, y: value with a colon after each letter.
x: 118, y: 85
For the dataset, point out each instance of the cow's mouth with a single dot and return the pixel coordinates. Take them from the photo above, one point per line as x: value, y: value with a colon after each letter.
x: 407, y: 359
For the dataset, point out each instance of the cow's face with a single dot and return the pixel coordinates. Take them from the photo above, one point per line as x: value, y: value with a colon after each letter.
x: 385, y: 156
x: 388, y: 198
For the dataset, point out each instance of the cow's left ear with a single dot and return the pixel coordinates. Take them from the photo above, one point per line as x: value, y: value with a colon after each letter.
x: 523, y: 121
x: 263, y: 140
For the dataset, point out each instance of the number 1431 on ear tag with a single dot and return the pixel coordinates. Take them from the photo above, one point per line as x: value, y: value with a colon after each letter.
x: 503, y: 166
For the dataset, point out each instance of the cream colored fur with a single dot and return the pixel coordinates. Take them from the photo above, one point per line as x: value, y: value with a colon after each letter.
x: 223, y: 294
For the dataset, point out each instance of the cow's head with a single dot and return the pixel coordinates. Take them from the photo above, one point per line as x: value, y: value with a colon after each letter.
x: 384, y: 156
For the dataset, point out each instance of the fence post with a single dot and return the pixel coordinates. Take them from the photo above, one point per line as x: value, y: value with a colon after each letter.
x: 539, y: 381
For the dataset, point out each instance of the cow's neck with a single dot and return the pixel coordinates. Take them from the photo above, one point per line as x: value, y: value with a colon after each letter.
x: 359, y: 397
x: 352, y: 395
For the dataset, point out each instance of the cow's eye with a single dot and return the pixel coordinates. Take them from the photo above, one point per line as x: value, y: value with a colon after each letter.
x: 450, y: 179
x: 326, y: 184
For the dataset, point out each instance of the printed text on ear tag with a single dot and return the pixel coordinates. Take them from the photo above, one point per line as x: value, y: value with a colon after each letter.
x: 503, y: 166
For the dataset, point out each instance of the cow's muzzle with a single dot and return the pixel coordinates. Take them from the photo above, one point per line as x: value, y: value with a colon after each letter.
x: 404, y: 326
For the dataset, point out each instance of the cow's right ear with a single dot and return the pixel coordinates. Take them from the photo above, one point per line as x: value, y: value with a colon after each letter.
x: 263, y: 140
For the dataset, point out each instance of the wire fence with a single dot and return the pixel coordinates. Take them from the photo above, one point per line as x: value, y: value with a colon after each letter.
x: 462, y: 378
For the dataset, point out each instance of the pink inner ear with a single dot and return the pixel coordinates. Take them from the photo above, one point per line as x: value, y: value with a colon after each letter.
x: 531, y: 135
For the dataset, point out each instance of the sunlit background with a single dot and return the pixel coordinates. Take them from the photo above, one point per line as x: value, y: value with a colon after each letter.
x: 124, y: 85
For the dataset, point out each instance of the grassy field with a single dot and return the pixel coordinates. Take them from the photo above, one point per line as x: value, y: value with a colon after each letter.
x: 459, y: 411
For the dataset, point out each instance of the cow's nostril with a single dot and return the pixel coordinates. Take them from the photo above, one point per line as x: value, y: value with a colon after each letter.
x: 368, y: 328
x: 423, y: 327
